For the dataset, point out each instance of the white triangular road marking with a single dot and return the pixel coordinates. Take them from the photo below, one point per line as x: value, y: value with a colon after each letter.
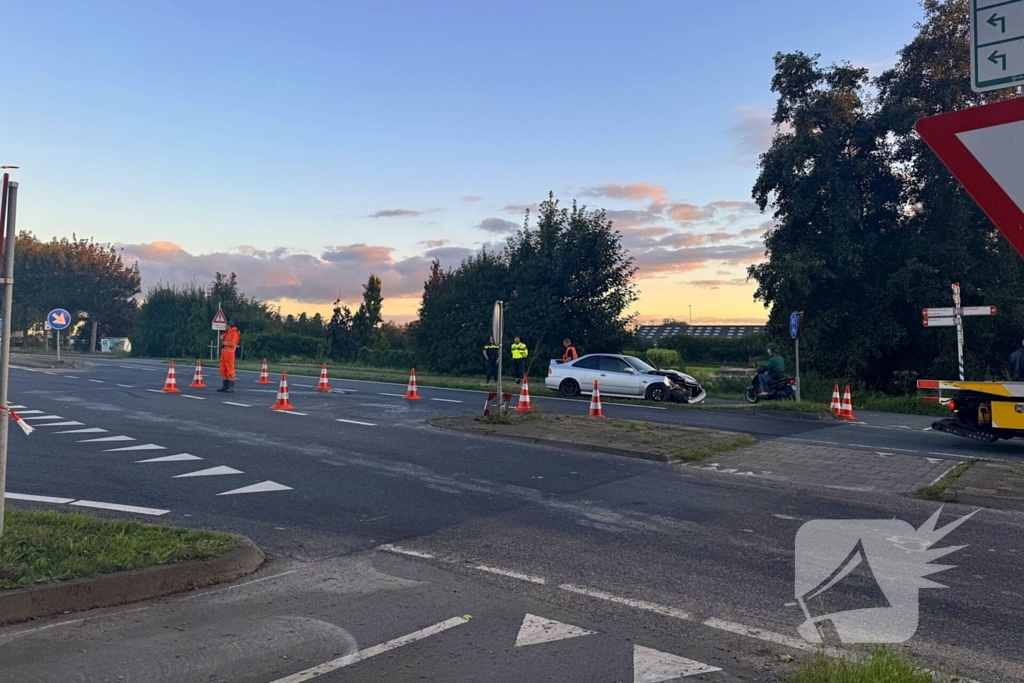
x: 262, y: 487
x: 140, y: 447
x: 42, y: 417
x: 652, y: 666
x: 61, y: 424
x: 211, y: 472
x: 181, y: 457
x: 27, y: 412
x: 1000, y: 149
x: 108, y: 438
x: 90, y: 430
x: 536, y: 630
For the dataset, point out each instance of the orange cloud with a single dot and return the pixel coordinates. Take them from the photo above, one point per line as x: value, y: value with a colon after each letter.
x: 631, y: 192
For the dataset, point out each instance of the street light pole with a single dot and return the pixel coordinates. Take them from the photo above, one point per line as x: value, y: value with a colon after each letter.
x: 5, y: 338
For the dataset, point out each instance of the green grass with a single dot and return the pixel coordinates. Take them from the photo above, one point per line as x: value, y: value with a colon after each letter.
x: 717, y: 448
x: 935, y: 491
x: 45, y: 546
x: 882, y: 667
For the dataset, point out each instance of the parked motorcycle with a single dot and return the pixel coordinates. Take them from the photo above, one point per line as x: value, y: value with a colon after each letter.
x: 778, y: 390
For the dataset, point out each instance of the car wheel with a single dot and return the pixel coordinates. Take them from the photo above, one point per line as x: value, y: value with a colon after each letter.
x: 751, y: 395
x: 657, y: 393
x: 570, y: 388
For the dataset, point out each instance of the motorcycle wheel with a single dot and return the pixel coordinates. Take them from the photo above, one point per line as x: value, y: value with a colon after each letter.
x: 751, y: 395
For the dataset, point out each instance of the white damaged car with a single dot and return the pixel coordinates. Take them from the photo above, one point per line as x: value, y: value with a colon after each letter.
x: 622, y: 377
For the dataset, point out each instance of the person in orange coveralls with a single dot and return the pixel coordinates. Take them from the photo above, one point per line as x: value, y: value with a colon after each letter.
x: 227, y: 358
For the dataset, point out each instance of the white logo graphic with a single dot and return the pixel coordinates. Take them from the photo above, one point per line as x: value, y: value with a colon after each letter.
x: 872, y: 571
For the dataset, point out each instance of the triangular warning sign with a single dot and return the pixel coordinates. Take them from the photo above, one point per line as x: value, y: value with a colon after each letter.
x: 652, y: 666
x: 536, y: 630
x: 220, y: 317
x: 983, y: 147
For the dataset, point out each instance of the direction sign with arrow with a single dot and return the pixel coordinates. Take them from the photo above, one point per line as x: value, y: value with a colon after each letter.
x: 59, y: 319
x: 997, y: 44
x: 983, y: 147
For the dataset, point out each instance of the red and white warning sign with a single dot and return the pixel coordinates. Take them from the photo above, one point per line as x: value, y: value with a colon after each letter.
x: 983, y: 147
x: 220, y: 321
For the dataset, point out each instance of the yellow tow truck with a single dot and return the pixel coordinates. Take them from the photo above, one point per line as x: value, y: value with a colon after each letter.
x: 984, y: 411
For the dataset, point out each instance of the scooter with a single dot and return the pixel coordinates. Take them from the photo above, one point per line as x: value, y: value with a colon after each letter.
x: 778, y: 390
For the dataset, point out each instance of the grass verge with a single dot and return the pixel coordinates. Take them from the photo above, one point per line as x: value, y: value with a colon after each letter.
x: 935, y: 491
x: 45, y: 546
x: 882, y: 667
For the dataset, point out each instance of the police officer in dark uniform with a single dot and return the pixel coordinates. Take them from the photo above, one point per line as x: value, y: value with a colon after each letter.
x: 491, y: 351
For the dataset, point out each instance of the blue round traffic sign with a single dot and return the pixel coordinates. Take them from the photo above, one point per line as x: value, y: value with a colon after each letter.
x: 794, y: 325
x: 59, y: 319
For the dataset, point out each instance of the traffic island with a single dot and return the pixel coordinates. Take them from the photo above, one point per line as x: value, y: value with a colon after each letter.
x: 53, y: 563
x: 988, y: 483
x: 646, y: 440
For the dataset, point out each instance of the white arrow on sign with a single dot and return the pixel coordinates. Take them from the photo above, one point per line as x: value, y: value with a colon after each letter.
x: 939, y: 312
x: 939, y: 322
x: 978, y: 310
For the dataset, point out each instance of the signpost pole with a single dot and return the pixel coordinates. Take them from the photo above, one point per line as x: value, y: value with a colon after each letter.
x: 959, y: 329
x: 58, y: 346
x: 797, y: 342
x: 5, y: 338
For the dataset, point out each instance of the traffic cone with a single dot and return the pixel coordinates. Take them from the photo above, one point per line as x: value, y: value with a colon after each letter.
x: 282, y: 395
x: 595, y: 402
x: 197, y: 377
x: 846, y: 411
x: 836, y: 408
x: 487, y: 403
x: 171, y: 383
x: 524, y: 397
x: 411, y: 394
x: 264, y: 374
x: 323, y: 385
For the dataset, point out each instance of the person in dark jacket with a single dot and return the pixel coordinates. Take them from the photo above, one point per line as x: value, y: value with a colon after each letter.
x: 774, y: 369
x: 1017, y: 364
x: 491, y: 351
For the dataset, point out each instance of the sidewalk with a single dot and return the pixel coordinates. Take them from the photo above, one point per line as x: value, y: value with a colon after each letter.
x: 990, y: 484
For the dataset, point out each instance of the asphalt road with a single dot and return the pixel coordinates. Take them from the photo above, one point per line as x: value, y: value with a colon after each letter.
x: 385, y: 533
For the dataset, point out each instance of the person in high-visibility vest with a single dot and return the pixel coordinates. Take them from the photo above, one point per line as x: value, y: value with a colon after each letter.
x: 229, y: 340
x: 570, y: 351
x: 519, y: 354
x: 491, y: 351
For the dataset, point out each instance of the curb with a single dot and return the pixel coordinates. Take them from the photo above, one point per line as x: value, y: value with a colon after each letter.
x: 777, y: 414
x: 109, y: 590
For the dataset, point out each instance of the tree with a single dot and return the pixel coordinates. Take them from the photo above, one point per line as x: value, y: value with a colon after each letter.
x: 341, y: 342
x: 367, y: 318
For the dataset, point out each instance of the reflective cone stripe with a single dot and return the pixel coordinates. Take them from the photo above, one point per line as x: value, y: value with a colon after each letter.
x: 411, y: 394
x: 846, y: 411
x: 197, y: 377
x: 487, y: 403
x: 836, y: 408
x: 524, y: 397
x: 323, y: 385
x: 282, y: 395
x: 595, y: 402
x: 264, y: 374
x: 171, y: 383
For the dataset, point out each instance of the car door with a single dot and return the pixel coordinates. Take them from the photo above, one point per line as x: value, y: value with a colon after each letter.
x: 584, y: 371
x: 615, y: 377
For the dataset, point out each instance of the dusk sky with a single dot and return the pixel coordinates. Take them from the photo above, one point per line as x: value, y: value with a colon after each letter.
x: 304, y: 145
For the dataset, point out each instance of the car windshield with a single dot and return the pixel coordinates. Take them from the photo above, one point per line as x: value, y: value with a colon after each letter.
x: 638, y: 364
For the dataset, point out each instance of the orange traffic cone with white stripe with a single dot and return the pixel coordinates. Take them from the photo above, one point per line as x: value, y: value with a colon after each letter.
x: 524, y: 397
x: 411, y: 394
x: 846, y: 410
x: 264, y: 374
x: 836, y: 407
x: 171, y: 383
x: 595, y: 402
x: 282, y: 395
x: 323, y: 385
x: 197, y: 377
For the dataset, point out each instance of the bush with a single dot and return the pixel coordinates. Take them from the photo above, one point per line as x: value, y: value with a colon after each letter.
x: 277, y: 345
x: 386, y: 358
x: 663, y: 358
x: 715, y: 351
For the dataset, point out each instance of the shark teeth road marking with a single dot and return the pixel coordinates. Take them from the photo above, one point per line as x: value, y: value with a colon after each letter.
x: 356, y: 422
x: 536, y: 630
x: 89, y: 430
x: 140, y: 447
x: 119, y: 508
x: 37, y: 499
x: 211, y: 472
x: 180, y: 457
x: 44, y: 417
x: 62, y: 424
x: 108, y: 438
x: 262, y: 487
x: 652, y: 666
x: 20, y: 407
x: 26, y: 412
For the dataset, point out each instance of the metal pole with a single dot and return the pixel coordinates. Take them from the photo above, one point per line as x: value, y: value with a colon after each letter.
x: 5, y: 338
x: 797, y: 341
x: 960, y: 341
x: 58, y: 347
x: 501, y: 349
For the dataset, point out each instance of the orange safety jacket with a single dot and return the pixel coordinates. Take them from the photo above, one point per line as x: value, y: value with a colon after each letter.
x: 230, y: 338
x: 570, y: 354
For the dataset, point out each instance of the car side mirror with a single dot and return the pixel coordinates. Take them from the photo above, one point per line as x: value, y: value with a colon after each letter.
x: 630, y: 370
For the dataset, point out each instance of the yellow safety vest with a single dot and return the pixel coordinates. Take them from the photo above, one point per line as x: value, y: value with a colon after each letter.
x: 519, y: 351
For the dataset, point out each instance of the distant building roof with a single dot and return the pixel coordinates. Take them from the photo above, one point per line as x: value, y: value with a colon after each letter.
x: 653, y: 333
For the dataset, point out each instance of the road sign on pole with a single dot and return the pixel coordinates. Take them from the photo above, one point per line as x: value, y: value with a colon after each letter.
x: 58, y: 319
x: 796, y: 327
x: 997, y: 44
x: 978, y: 310
x: 220, y: 321
x: 939, y: 322
x: 983, y: 147
x: 954, y: 317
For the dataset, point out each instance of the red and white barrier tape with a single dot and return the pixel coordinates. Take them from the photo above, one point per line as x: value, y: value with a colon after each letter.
x: 25, y: 427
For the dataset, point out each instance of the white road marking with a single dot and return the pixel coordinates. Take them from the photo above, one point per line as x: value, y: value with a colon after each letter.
x: 140, y: 447
x: 784, y: 517
x: 536, y: 630
x: 304, y: 386
x: 198, y: 398
x: 98, y: 381
x: 356, y: 422
x: 180, y: 457
x: 638, y: 604
x: 90, y: 430
x: 341, y: 662
x: 18, y: 407
x: 126, y: 386
x: 211, y: 472
x: 767, y: 636
x: 37, y: 499
x: 71, y: 377
x: 291, y: 412
x: 388, y: 548
x: 138, y: 367
x: 49, y: 373
x: 43, y: 417
x: 927, y: 429
x: 70, y: 423
x: 240, y: 405
x: 119, y: 508
x: 939, y: 478
x: 398, y: 395
x: 108, y: 438
x: 446, y: 400
x: 827, y: 443
x: 635, y: 405
x: 26, y: 412
x: 511, y: 574
x: 934, y: 461
x: 262, y: 487
x: 951, y: 455
x: 652, y: 666
x: 155, y: 391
